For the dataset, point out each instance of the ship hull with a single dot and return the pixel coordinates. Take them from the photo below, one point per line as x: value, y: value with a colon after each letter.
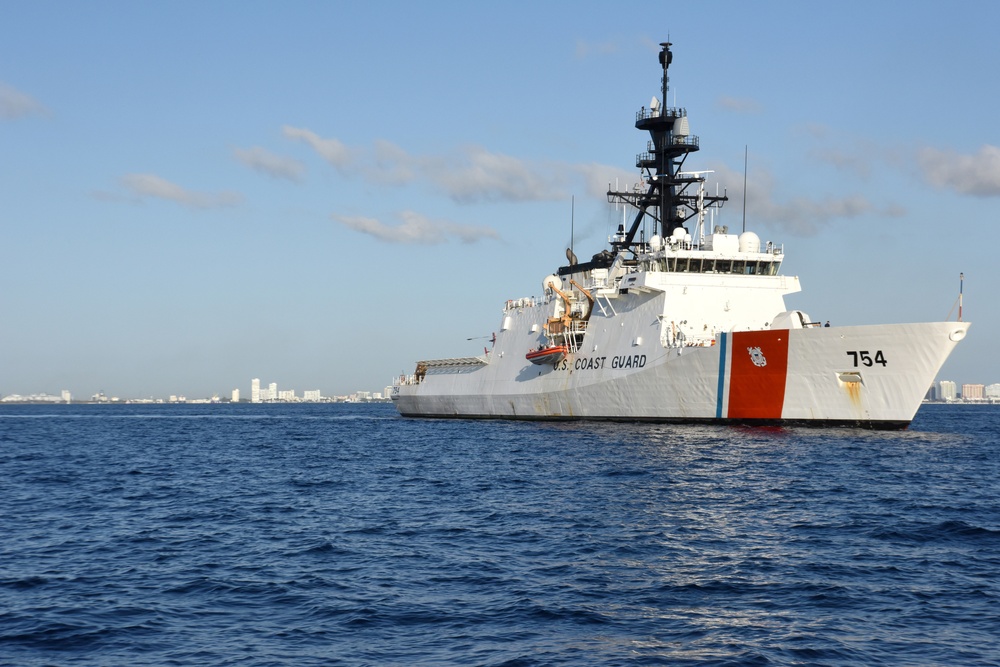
x: 864, y: 376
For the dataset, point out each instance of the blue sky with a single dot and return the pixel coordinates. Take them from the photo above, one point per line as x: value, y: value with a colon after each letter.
x: 318, y: 193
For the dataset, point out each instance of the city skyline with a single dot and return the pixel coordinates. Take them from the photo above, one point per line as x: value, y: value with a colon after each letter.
x: 270, y: 393
x: 196, y: 194
x: 939, y: 390
x: 235, y: 396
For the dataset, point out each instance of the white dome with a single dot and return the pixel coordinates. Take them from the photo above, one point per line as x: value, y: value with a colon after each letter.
x: 749, y: 242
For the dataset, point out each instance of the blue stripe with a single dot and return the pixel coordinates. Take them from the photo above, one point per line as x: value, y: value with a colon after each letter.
x: 722, y: 374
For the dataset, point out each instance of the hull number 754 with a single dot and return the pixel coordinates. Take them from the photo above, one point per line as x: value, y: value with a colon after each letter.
x: 865, y: 358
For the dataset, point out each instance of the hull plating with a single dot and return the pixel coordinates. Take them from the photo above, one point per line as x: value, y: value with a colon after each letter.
x: 873, y: 376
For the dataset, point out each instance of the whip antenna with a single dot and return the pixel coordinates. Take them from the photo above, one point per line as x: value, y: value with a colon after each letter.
x: 746, y: 150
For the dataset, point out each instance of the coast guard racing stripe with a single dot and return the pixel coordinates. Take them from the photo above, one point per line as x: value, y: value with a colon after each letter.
x: 757, y: 374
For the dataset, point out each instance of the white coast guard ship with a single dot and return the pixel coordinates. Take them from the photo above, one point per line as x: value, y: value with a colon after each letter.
x: 689, y: 326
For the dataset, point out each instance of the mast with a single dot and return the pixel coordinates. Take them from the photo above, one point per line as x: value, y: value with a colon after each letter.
x: 667, y: 198
x: 666, y: 195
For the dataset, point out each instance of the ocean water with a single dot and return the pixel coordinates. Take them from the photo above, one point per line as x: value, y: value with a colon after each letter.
x: 346, y: 535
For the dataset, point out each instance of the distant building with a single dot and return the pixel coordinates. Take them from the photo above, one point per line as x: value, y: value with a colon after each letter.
x: 286, y: 395
x: 66, y: 396
x: 255, y: 390
x: 992, y: 391
x: 272, y: 389
x: 32, y: 398
x: 311, y: 395
x: 947, y: 391
x: 236, y: 396
x: 972, y: 392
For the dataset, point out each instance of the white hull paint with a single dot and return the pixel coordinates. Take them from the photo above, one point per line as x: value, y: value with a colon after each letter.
x: 694, y: 384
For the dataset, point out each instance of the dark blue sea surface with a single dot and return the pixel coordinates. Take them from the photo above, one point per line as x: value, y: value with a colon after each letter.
x: 346, y: 535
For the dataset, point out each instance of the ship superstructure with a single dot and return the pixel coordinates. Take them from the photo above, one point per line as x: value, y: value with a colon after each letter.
x: 689, y: 325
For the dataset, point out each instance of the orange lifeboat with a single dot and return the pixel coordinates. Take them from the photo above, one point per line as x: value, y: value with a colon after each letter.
x: 548, y: 355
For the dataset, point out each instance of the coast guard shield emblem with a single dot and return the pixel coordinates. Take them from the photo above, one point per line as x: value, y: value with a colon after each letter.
x: 757, y: 357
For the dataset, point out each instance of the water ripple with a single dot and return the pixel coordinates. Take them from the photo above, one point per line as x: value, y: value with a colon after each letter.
x: 343, y: 535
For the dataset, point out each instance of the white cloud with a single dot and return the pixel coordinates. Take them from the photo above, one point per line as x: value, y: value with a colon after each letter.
x: 847, y: 153
x: 14, y: 104
x: 331, y: 150
x: 268, y: 163
x: 393, y: 165
x: 800, y: 216
x: 977, y: 174
x: 817, y: 131
x: 474, y: 174
x: 857, y: 162
x: 466, y: 175
x: 738, y: 105
x: 585, y: 48
x: 806, y: 217
x: 416, y: 229
x: 151, y: 185
x: 599, y: 178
